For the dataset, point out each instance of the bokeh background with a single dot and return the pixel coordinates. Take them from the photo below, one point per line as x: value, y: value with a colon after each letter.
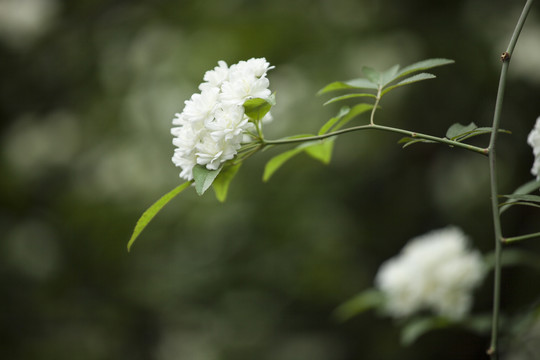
x: 87, y: 93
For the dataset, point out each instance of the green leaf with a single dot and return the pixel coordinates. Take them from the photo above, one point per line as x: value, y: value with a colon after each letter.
x: 456, y: 130
x: 372, y: 75
x: 421, y: 66
x: 418, y: 327
x: 523, y: 197
x: 409, y: 80
x: 348, y: 96
x: 328, y: 125
x: 408, y: 141
x: 526, y: 188
x: 354, y: 112
x: 149, y: 214
x: 359, y: 83
x: 389, y: 75
x: 203, y: 178
x: 277, y: 161
x: 257, y: 108
x: 366, y: 300
x: 223, y: 180
x: 513, y: 257
x: 322, y: 150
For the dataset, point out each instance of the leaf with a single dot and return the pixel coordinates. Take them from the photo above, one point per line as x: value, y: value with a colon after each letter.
x: 149, y: 214
x: 354, y: 112
x: 203, y: 178
x: 421, y: 66
x: 418, y: 327
x: 389, y: 75
x: 513, y: 257
x: 277, y: 161
x: 348, y: 96
x: 257, y: 108
x: 409, y: 80
x: 328, y: 125
x: 223, y: 180
x: 523, y: 197
x: 359, y: 83
x: 322, y: 150
x: 526, y: 188
x: 366, y: 300
x: 456, y: 130
x: 372, y: 75
x: 408, y: 141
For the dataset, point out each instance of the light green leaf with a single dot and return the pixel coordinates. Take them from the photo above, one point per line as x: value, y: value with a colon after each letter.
x: 151, y: 212
x: 421, y: 66
x: 389, y: 75
x: 257, y: 108
x: 372, y: 75
x: 328, y: 125
x: 409, y: 80
x: 203, y: 178
x: 322, y: 150
x: 348, y: 96
x: 223, y: 180
x: 418, y: 327
x: 456, y: 130
x: 360, y: 83
x: 526, y: 188
x: 479, y: 131
x: 366, y: 300
x: 354, y: 112
x: 277, y: 161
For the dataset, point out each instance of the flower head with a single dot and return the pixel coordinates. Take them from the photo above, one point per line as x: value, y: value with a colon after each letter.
x: 435, y: 271
x: 534, y: 141
x: 213, y: 123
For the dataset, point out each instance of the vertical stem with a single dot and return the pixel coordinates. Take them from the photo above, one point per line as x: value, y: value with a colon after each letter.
x: 493, y: 349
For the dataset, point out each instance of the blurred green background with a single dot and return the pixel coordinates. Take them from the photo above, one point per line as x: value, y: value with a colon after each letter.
x: 87, y: 93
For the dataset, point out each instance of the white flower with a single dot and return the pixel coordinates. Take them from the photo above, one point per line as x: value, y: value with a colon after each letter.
x: 434, y: 272
x: 534, y: 141
x: 213, y: 124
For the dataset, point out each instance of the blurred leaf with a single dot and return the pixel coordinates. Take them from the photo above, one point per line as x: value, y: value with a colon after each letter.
x: 149, y: 214
x: 372, y: 75
x: 526, y: 188
x: 342, y: 112
x: 389, y: 75
x: 203, y: 178
x: 322, y: 150
x: 513, y: 257
x: 480, y: 324
x: 409, y: 80
x: 421, y: 66
x: 360, y: 83
x: 348, y: 96
x: 223, y: 180
x: 354, y: 112
x: 277, y: 161
x: 366, y: 300
x: 407, y: 141
x: 523, y: 197
x: 419, y: 326
x: 457, y: 130
x: 257, y: 108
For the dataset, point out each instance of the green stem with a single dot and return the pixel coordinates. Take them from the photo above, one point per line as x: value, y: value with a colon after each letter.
x: 377, y: 99
x: 382, y: 128
x: 493, y: 349
x: 522, y: 237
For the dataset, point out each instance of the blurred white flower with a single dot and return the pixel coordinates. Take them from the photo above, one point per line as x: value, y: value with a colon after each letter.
x: 436, y: 272
x: 213, y: 124
x: 534, y: 141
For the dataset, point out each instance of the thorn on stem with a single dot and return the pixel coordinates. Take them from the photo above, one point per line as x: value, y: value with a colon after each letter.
x: 505, y: 56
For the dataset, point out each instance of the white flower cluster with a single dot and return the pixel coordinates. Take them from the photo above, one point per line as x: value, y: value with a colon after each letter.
x: 534, y: 141
x: 436, y: 272
x: 211, y: 128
